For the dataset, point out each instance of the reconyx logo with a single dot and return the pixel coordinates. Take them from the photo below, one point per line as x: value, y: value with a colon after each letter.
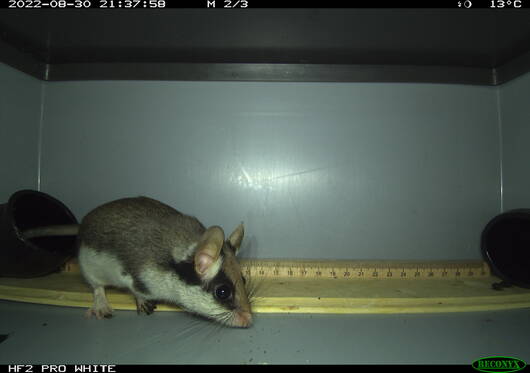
x: 499, y: 364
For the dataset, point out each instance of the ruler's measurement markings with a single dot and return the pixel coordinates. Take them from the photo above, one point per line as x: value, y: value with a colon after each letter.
x: 356, y: 270
x: 352, y: 270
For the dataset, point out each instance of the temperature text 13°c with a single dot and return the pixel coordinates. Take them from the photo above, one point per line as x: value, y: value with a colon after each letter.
x: 501, y: 4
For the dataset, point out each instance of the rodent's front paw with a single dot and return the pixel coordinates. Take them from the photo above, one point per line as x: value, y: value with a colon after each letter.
x: 145, y: 306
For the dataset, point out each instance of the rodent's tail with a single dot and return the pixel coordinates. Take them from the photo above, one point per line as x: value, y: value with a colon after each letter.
x: 52, y: 230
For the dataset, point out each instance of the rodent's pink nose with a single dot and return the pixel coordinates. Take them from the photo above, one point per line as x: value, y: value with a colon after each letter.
x: 242, y: 319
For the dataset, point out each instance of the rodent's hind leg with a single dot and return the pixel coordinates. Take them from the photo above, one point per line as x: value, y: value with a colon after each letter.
x: 144, y: 306
x: 101, y: 308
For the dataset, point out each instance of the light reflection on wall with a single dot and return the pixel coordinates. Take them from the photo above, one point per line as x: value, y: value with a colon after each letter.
x: 274, y: 178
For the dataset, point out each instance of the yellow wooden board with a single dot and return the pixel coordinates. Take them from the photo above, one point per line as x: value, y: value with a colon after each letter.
x: 280, y: 295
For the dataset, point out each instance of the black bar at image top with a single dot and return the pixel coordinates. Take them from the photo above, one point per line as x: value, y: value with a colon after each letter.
x: 266, y: 4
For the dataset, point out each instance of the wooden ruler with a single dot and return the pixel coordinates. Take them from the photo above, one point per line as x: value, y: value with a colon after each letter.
x: 363, y: 270
x: 353, y: 269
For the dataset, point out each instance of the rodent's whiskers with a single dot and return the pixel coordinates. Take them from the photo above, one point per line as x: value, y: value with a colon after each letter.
x: 193, y: 328
x: 216, y: 327
x: 226, y: 317
x: 253, y: 287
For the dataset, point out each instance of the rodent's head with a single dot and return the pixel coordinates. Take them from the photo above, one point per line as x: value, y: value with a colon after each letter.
x: 222, y: 296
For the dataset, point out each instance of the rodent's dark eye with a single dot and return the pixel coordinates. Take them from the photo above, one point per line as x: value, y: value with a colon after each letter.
x: 223, y: 292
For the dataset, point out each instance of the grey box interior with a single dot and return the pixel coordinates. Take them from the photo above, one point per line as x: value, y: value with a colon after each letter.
x: 404, y: 158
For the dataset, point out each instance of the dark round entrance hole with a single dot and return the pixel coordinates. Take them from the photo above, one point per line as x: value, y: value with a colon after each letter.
x: 37, y: 256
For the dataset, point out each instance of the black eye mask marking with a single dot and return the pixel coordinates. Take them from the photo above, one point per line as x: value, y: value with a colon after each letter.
x: 220, y: 287
x: 186, y: 272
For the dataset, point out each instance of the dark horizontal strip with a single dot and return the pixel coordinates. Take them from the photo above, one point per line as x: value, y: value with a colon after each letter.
x: 270, y: 72
x: 104, y: 368
x: 26, y: 62
x: 247, y: 4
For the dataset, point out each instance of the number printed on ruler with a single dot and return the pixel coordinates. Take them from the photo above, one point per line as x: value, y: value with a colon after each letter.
x: 363, y: 270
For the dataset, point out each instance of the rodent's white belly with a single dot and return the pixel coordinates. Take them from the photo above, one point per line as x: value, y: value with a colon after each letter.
x: 103, y: 269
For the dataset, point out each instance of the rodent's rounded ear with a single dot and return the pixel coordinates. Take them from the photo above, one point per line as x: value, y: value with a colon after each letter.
x: 207, y: 259
x: 237, y: 236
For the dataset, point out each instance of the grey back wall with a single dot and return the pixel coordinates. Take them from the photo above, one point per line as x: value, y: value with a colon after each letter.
x: 366, y: 171
x: 20, y: 119
x: 515, y: 119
